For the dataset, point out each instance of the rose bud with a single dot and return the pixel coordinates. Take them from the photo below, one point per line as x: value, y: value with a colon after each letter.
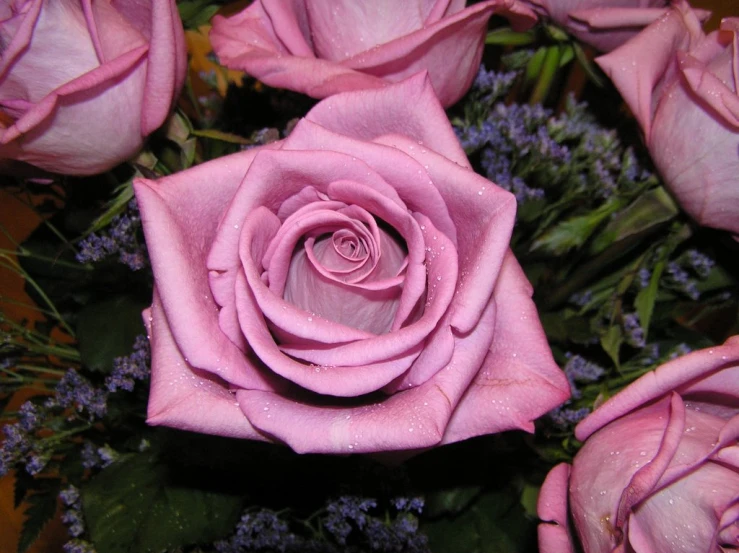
x: 348, y: 289
x: 659, y: 470
x: 321, y: 48
x: 83, y: 83
x: 683, y: 92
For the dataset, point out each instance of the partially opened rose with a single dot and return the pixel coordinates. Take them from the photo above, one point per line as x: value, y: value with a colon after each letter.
x: 83, y: 83
x: 682, y: 87
x: 604, y: 24
x: 321, y: 48
x: 659, y: 470
x: 349, y: 289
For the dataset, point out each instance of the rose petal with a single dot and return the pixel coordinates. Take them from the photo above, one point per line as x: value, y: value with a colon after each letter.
x: 182, y: 397
x: 635, y: 75
x: 342, y: 28
x: 667, y: 377
x: 178, y: 232
x: 518, y: 380
x: 483, y: 215
x: 401, y: 172
x: 412, y: 419
x: 409, y: 108
x: 551, y: 506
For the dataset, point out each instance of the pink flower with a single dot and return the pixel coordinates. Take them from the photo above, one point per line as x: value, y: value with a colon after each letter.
x: 682, y: 87
x: 604, y: 24
x: 83, y: 83
x: 348, y: 289
x: 660, y: 468
x: 321, y: 48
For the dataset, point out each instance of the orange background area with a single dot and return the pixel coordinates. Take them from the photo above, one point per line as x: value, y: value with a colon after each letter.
x: 20, y: 220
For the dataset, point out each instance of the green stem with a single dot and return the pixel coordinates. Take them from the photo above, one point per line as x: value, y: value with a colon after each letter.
x: 546, y: 76
x: 42, y: 370
x: 12, y: 265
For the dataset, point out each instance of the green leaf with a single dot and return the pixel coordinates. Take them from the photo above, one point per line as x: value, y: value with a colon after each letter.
x: 611, y: 343
x: 575, y: 231
x: 41, y: 509
x: 107, y: 329
x: 452, y: 501
x: 652, y: 208
x: 546, y: 75
x: 497, y: 523
x: 533, y: 67
x: 123, y: 195
x: 646, y: 298
x: 508, y: 37
x: 196, y: 12
x: 222, y: 136
x: 529, y: 497
x: 134, y: 506
x: 587, y: 65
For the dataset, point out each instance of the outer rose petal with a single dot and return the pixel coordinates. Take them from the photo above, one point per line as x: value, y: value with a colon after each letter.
x: 178, y: 232
x: 182, y: 397
x: 368, y: 115
x: 637, y: 76
x: 283, y: 45
x: 604, y: 24
x: 673, y: 375
x: 554, y: 532
x: 518, y: 380
x: 409, y: 420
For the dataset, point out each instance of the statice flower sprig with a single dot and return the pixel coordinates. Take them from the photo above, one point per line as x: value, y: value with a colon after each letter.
x: 347, y: 524
x: 121, y: 237
x: 45, y: 427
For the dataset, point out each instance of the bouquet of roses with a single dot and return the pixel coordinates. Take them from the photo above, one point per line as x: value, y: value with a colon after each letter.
x: 347, y: 276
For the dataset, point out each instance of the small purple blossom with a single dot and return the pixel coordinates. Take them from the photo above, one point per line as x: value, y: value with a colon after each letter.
x: 75, y: 390
x: 36, y: 463
x: 680, y: 350
x: 128, y: 369
x: 29, y: 416
x: 633, y: 330
x: 682, y: 281
x: 644, y: 276
x: 701, y: 263
x: 90, y: 457
x: 581, y: 299
x: 119, y: 238
x: 78, y: 546
x: 409, y: 504
x: 259, y: 531
x: 651, y: 354
x: 493, y: 84
x: 581, y: 370
x: 72, y: 518
x: 70, y: 495
x: 564, y: 417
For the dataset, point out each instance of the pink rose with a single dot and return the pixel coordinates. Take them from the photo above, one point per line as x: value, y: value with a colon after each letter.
x: 682, y: 87
x: 348, y: 289
x: 83, y: 83
x: 321, y: 48
x: 660, y: 468
x: 604, y: 24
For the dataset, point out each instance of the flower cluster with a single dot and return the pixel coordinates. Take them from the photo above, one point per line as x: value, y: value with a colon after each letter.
x: 121, y: 237
x: 351, y: 523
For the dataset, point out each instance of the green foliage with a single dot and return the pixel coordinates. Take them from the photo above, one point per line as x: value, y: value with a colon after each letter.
x: 495, y: 523
x: 138, y: 506
x: 195, y: 13
x: 41, y: 508
x: 107, y: 328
